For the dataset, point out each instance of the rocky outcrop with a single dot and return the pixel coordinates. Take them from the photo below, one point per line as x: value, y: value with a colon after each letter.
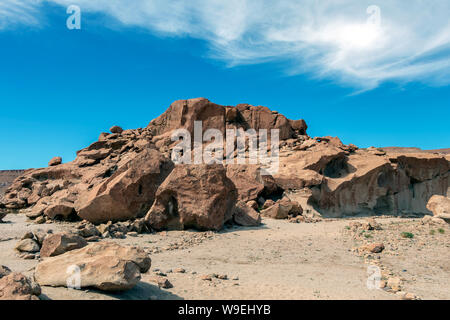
x: 129, y: 174
x: 183, y: 114
x: 105, y: 266
x: 334, y: 180
x: 193, y: 196
x: 16, y: 286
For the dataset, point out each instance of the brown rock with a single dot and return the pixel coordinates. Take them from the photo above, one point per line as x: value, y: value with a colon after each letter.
x: 394, y: 283
x: 55, y: 161
x: 59, y: 210
x: 128, y: 193
x: 193, y: 196
x: 16, y: 286
x: 60, y: 243
x: 373, y: 247
x: 282, y: 209
x: 116, y: 129
x: 4, y: 271
x: 28, y: 235
x: 105, y: 266
x: 206, y: 277
x: 3, y: 213
x: 162, y: 282
x: 247, y: 179
x: 245, y: 215
x: 440, y: 207
x: 268, y: 203
x: 27, y: 245
x: 253, y: 204
x: 299, y: 125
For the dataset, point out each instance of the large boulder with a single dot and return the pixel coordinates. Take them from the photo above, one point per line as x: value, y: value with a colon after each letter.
x: 60, y: 243
x: 128, y: 193
x: 193, y: 196
x: 440, y: 207
x: 16, y: 286
x: 105, y: 266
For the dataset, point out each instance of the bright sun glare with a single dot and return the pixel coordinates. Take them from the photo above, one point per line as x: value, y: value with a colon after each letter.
x: 357, y: 36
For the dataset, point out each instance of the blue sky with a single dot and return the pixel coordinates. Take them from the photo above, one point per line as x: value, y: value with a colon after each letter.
x: 60, y: 88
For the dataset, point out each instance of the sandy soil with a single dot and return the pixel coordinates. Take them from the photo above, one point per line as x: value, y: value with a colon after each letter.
x: 279, y: 260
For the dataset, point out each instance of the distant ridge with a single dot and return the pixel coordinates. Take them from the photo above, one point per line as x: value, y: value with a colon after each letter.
x: 415, y: 150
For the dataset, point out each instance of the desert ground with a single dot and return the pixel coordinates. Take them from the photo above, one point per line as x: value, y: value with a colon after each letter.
x: 277, y: 260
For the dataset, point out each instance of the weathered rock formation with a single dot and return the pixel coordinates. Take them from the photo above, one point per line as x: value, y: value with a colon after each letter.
x: 105, y: 266
x: 129, y: 174
x: 335, y: 180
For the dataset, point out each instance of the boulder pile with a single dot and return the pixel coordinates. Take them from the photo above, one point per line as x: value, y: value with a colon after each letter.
x: 129, y: 175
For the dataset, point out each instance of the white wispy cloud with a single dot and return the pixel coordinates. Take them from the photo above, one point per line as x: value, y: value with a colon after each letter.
x: 339, y: 40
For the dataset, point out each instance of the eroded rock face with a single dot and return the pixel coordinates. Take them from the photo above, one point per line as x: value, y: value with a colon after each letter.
x: 183, y: 113
x: 16, y: 286
x: 105, y: 266
x: 193, y: 196
x: 128, y: 193
x: 335, y: 180
x: 118, y: 176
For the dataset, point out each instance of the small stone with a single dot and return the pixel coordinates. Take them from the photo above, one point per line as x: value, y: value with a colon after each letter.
x: 161, y: 282
x: 394, y: 284
x: 235, y: 278
x: 206, y: 277
x: 132, y: 234
x: 92, y: 239
x: 40, y: 220
x: 180, y: 270
x: 222, y: 277
x: 409, y: 296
